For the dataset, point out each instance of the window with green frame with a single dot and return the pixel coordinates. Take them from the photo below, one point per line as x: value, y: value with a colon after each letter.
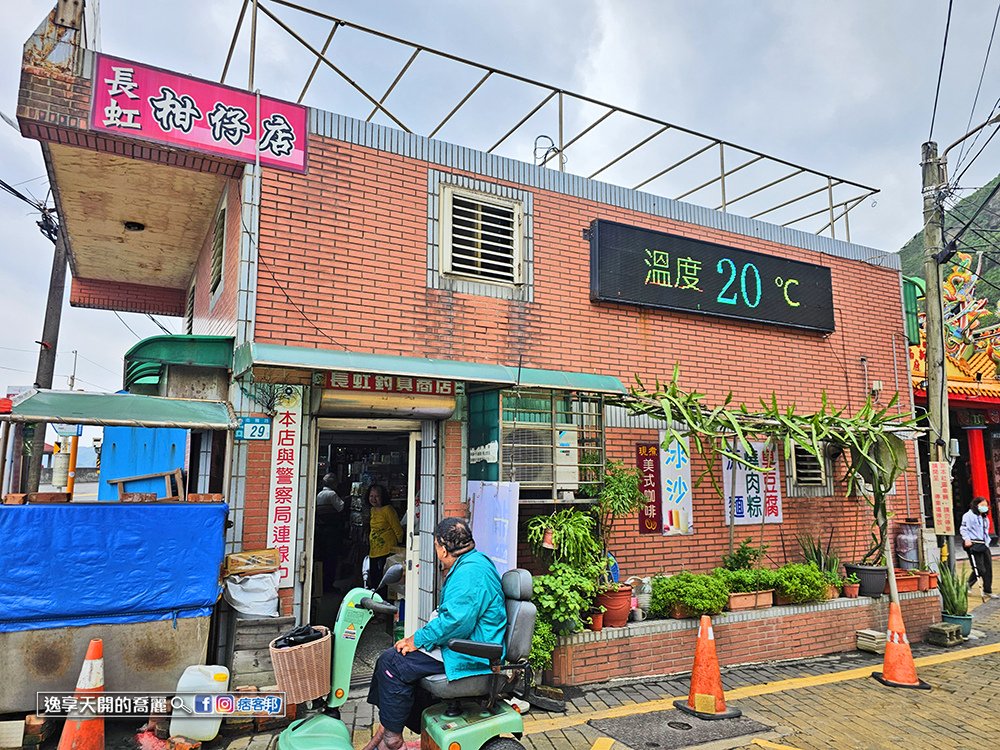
x: 552, y: 443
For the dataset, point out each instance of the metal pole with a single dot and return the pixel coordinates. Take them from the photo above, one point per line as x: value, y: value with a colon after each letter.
x: 47, y: 356
x: 722, y: 174
x: 833, y: 220
x: 937, y: 387
x: 253, y: 45
x: 74, y: 445
x: 4, y: 438
x: 562, y: 167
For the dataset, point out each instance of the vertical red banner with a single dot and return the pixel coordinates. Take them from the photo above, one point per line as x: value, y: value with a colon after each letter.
x: 647, y: 460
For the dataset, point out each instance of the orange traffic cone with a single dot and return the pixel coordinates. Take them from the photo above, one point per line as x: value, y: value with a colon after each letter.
x: 84, y: 728
x: 706, y: 700
x: 898, y: 669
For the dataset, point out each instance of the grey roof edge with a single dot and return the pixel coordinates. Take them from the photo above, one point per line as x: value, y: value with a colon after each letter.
x: 392, y: 140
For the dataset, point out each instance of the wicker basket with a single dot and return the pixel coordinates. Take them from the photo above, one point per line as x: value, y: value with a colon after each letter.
x: 303, y: 672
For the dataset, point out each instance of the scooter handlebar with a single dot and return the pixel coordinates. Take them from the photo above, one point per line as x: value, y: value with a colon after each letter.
x: 381, y: 608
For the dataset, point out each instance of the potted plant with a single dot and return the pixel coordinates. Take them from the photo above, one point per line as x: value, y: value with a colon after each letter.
x: 833, y: 583
x: 744, y: 557
x: 571, y: 535
x: 798, y: 583
x: 595, y: 620
x: 851, y: 586
x: 687, y: 595
x: 955, y: 598
x: 906, y: 580
x: 618, y: 497
x: 564, y: 594
x: 748, y: 589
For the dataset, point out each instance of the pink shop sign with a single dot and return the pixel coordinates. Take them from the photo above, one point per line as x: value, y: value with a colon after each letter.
x: 138, y: 101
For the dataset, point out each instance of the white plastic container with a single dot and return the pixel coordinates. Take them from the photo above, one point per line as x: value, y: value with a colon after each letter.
x: 191, y: 723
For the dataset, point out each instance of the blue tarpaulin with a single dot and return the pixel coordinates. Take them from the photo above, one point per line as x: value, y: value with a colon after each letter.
x: 82, y: 564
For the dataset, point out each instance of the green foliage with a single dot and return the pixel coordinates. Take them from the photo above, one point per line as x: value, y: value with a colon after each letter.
x: 745, y: 556
x: 822, y: 557
x: 591, y: 471
x: 574, y: 534
x: 851, y: 578
x: 801, y: 582
x: 564, y: 594
x: 619, y: 497
x: 543, y: 643
x: 744, y: 580
x: 699, y: 594
x: 867, y: 438
x: 832, y: 578
x: 954, y: 592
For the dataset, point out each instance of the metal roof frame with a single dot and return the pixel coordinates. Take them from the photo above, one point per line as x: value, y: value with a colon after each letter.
x: 834, y: 196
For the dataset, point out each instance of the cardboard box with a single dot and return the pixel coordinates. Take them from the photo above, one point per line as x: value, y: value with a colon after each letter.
x: 249, y: 562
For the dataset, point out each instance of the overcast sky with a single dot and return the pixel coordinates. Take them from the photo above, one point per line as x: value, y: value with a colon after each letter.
x: 845, y: 88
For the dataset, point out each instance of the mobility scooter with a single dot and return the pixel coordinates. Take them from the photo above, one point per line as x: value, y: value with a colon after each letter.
x: 471, y: 714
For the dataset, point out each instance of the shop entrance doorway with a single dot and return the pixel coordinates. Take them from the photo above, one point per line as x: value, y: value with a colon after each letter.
x: 365, y: 510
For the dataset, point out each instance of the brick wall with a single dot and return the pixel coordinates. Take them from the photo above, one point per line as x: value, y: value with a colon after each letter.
x: 665, y: 647
x: 348, y: 243
x: 111, y: 295
x: 215, y: 314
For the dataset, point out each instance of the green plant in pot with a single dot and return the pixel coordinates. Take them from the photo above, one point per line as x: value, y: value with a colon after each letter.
x: 749, y: 588
x: 798, y: 583
x: 619, y: 497
x: 955, y: 598
x: 570, y: 534
x: 744, y: 557
x: 565, y: 594
x: 688, y: 595
x: 851, y: 586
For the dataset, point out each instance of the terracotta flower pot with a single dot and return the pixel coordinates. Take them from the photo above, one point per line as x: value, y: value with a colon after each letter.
x: 617, y: 605
x: 750, y: 600
x: 596, y: 621
x: 832, y: 592
x: 932, y: 580
x: 851, y: 590
x: 547, y: 542
x: 923, y: 580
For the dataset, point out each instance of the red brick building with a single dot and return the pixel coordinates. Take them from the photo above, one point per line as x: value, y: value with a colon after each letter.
x: 419, y: 314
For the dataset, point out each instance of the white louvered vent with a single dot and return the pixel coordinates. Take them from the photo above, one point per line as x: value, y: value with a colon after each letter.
x: 807, y: 470
x: 481, y: 236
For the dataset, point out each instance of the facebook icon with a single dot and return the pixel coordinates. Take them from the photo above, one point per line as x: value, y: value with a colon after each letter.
x: 204, y: 704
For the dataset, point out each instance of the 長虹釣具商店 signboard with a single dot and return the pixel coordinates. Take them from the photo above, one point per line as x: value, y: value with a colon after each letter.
x: 654, y: 269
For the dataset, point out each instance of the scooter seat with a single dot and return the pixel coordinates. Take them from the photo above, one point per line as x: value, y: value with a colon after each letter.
x: 467, y: 687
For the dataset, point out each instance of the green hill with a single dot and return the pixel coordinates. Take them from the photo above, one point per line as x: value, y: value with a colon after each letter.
x: 983, y: 236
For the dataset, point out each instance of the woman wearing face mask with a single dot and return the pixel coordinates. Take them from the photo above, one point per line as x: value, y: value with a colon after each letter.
x: 975, y: 533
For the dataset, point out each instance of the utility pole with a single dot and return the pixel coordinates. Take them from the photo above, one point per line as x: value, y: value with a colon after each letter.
x: 45, y: 371
x: 937, y: 395
x: 74, y: 441
x: 935, y: 177
x: 935, y: 367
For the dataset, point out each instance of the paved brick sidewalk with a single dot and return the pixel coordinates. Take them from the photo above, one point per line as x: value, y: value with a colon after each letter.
x: 857, y: 714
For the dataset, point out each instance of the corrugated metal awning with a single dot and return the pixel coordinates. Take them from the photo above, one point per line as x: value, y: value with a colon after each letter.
x: 300, y: 357
x: 120, y: 410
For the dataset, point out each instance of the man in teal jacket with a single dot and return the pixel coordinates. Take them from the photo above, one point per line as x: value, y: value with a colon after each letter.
x: 471, y: 607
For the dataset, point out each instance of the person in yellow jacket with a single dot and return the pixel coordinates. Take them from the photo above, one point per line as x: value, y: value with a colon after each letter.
x: 385, y: 533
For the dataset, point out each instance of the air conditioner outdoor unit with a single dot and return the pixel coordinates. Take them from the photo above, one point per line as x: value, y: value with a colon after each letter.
x: 528, y: 456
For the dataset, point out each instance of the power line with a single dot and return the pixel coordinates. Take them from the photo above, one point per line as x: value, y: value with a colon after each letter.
x: 160, y: 325
x: 98, y: 364
x: 981, y: 148
x: 126, y: 325
x: 979, y: 87
x: 937, y: 92
x: 280, y: 287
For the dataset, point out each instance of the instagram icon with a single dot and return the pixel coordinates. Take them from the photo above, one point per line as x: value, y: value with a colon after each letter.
x: 225, y: 704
